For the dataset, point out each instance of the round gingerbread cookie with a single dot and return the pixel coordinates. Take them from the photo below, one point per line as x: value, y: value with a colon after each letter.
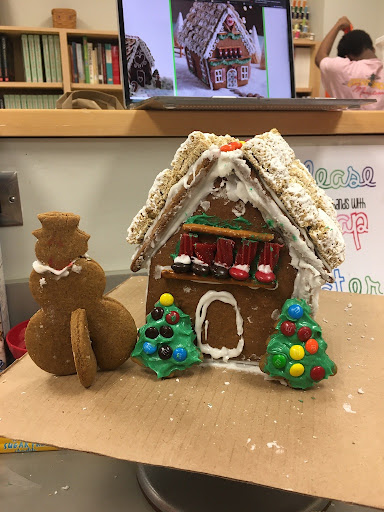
x: 85, y: 360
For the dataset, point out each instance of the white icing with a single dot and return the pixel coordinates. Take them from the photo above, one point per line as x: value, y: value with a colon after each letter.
x: 158, y: 269
x: 205, y: 205
x: 239, y: 209
x: 242, y: 267
x: 275, y: 314
x: 265, y: 269
x: 187, y: 289
x: 42, y: 282
x: 201, y: 312
x: 76, y: 268
x: 40, y: 268
x: 206, y: 323
x: 183, y: 258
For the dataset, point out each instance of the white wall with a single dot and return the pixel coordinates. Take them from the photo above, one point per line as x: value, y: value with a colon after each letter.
x: 367, y: 15
x: 91, y: 14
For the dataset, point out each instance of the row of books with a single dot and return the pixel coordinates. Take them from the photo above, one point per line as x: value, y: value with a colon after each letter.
x: 29, y: 100
x: 42, y: 58
x: 94, y: 63
x: 7, y: 68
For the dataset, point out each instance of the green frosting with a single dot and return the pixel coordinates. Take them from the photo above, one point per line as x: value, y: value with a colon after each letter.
x: 228, y: 62
x: 183, y: 337
x: 212, y: 220
x: 280, y: 344
x: 230, y: 35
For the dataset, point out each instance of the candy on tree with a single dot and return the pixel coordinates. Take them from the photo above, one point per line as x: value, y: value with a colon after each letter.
x: 296, y: 351
x: 166, y: 341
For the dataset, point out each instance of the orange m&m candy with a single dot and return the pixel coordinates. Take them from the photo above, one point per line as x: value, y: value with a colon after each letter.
x: 312, y: 346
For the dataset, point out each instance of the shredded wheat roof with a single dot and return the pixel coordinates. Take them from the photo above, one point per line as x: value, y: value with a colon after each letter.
x: 203, y: 23
x: 282, y: 175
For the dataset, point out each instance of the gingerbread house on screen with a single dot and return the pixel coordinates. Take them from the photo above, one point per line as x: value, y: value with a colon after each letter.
x: 139, y: 62
x: 218, y: 47
x: 232, y: 230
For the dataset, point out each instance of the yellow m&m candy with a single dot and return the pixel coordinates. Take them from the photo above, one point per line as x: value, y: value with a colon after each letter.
x: 296, y: 370
x: 296, y: 352
x: 166, y: 299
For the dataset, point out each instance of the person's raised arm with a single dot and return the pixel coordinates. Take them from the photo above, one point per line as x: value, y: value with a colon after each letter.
x: 327, y: 43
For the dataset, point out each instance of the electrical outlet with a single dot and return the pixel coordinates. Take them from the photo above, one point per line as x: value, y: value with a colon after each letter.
x: 10, y: 204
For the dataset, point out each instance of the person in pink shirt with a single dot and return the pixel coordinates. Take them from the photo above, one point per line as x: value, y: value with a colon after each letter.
x: 356, y: 72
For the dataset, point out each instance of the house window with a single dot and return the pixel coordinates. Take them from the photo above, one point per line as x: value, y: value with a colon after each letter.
x: 219, y: 76
x: 244, y: 72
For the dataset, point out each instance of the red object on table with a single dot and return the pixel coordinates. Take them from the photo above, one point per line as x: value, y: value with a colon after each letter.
x: 16, y: 339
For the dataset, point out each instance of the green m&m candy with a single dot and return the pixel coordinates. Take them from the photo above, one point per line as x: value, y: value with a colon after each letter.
x: 279, y: 361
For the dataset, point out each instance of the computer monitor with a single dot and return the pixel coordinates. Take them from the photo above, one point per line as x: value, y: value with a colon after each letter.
x: 206, y: 48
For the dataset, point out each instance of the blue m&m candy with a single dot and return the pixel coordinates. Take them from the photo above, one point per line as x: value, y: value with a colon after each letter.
x: 149, y: 348
x: 295, y: 311
x: 180, y: 354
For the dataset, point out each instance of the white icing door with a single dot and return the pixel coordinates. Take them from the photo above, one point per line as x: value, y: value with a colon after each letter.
x: 232, y: 78
x: 201, y: 324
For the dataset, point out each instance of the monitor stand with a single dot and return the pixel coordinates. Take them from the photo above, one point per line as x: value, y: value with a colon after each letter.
x: 172, y: 490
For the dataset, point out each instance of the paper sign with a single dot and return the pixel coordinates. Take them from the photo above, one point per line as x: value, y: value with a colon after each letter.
x: 352, y: 176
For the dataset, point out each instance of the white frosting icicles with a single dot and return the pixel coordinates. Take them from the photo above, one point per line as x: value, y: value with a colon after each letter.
x: 201, y: 312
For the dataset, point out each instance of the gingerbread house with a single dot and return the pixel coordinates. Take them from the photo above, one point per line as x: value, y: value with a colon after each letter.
x: 218, y: 47
x: 139, y: 61
x: 232, y: 230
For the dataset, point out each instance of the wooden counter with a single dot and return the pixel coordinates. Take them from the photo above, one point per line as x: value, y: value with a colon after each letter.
x: 90, y: 123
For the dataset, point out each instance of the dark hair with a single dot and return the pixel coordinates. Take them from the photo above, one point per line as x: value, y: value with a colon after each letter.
x: 354, y: 43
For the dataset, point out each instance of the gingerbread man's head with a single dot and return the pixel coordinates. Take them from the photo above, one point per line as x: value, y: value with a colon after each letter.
x: 59, y: 241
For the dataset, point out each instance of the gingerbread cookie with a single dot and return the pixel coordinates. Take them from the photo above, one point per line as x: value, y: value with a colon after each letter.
x: 83, y: 355
x: 64, y: 278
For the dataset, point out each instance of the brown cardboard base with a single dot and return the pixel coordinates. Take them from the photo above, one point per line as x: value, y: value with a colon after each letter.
x: 326, y: 442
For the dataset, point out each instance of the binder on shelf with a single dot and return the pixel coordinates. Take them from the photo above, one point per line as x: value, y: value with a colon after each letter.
x: 26, y: 61
x: 7, y: 59
x: 51, y: 48
x: 47, y: 64
x: 32, y: 57
x: 39, y: 62
x: 59, y: 74
x: 100, y: 63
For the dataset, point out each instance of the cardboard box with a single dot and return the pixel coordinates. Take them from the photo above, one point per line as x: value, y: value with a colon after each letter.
x: 326, y: 442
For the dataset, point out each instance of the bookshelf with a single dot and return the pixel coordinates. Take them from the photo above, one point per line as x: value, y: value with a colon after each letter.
x: 66, y: 37
x: 307, y: 74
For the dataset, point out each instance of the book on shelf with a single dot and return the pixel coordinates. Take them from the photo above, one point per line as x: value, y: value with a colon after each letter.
x: 29, y: 101
x: 7, y: 59
x: 115, y: 64
x: 94, y: 62
x: 108, y: 60
x: 86, y: 59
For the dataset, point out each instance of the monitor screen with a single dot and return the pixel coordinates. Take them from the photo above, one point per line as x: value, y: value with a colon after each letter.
x: 206, y: 48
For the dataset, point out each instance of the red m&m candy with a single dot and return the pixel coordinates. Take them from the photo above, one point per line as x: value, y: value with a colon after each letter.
x: 172, y: 318
x: 288, y: 328
x: 304, y: 333
x: 317, y: 373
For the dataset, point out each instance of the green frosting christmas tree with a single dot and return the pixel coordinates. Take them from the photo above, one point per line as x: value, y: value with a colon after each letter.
x: 166, y: 341
x: 296, y: 350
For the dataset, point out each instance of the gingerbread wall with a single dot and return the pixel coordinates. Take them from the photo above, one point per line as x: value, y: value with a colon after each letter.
x: 256, y: 305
